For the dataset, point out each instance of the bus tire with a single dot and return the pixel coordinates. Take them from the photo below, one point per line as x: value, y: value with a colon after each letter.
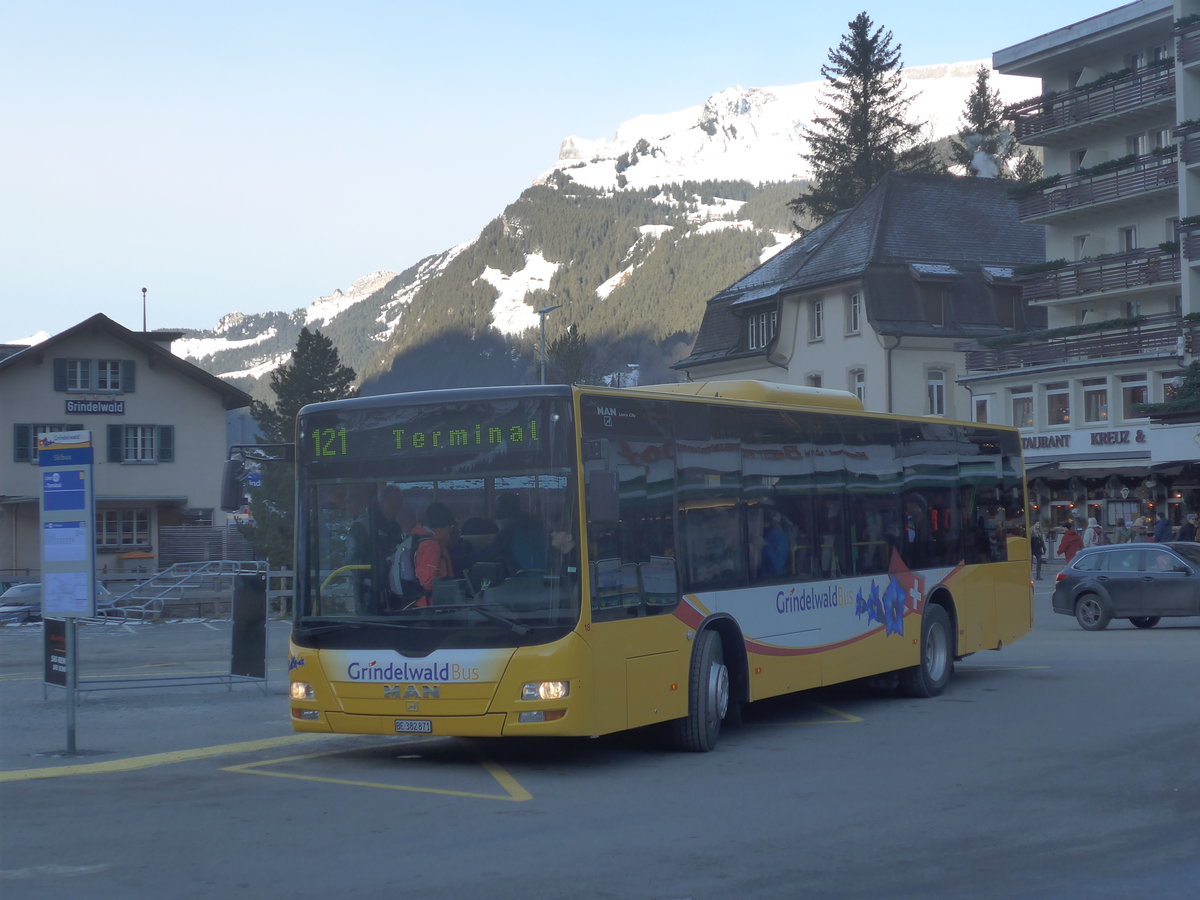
x: 930, y: 677
x: 708, y: 697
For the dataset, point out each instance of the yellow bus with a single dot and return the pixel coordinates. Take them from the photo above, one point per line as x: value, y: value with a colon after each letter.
x: 596, y: 560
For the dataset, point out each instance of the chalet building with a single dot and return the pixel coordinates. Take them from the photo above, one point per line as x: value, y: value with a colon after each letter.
x: 879, y: 299
x: 1118, y: 121
x: 158, y: 427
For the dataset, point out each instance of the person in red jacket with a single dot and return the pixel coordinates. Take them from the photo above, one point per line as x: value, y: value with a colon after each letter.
x: 432, y: 557
x: 1070, y: 544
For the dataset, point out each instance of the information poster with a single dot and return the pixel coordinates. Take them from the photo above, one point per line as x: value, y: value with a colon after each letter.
x: 68, y: 516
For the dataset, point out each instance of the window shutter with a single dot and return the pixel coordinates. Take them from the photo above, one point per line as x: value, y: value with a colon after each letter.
x: 166, y: 443
x: 127, y: 369
x: 116, y: 443
x: 22, y: 443
x: 60, y: 374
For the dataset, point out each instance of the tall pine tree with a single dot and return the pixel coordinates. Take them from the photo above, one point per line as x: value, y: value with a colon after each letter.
x: 312, y: 374
x: 570, y: 358
x: 865, y: 134
x: 984, y: 144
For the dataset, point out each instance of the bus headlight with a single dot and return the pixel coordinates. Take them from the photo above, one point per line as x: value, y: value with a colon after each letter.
x: 545, y: 690
x: 302, y: 690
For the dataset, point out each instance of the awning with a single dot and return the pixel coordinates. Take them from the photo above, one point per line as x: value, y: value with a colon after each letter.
x: 1090, y: 468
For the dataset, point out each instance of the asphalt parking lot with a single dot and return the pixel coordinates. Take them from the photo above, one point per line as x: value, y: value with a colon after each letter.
x: 1062, y: 766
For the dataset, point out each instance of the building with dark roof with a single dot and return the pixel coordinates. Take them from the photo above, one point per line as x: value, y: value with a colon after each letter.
x: 158, y: 427
x: 879, y: 299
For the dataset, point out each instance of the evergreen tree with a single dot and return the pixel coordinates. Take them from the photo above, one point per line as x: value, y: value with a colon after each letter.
x: 865, y: 134
x: 983, y: 145
x: 1029, y: 168
x: 313, y: 374
x: 569, y: 358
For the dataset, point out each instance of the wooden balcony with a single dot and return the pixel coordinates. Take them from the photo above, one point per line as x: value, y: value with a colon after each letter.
x: 1134, y: 270
x: 1189, y: 242
x: 1156, y: 336
x: 1148, y: 176
x: 1142, y: 94
x: 1189, y: 143
x: 1187, y: 43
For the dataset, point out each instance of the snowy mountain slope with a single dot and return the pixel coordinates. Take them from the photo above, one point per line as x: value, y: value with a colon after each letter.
x: 752, y: 135
x: 756, y: 134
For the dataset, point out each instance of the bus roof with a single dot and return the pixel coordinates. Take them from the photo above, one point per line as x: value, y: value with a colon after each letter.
x: 761, y: 392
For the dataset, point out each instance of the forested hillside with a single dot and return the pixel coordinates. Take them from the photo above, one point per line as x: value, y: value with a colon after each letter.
x: 634, y: 269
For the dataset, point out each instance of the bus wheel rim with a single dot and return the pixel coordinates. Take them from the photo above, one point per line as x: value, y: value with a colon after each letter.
x: 718, y: 691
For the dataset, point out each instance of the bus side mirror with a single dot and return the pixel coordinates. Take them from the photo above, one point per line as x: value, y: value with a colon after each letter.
x: 231, y: 484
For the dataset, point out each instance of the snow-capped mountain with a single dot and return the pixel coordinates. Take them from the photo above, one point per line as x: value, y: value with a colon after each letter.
x: 753, y: 136
x: 757, y: 134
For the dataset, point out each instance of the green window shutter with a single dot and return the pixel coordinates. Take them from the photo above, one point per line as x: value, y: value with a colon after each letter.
x: 116, y: 443
x: 166, y: 443
x: 127, y: 375
x: 60, y: 374
x: 22, y: 443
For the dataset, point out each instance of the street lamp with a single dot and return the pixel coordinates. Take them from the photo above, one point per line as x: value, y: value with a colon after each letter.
x: 542, y: 313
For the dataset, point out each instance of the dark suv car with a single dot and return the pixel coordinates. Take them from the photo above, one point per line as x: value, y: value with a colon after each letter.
x: 1138, y: 582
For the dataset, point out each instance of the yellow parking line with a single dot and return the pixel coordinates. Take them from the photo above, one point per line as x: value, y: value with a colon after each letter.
x: 134, y: 763
x: 513, y: 791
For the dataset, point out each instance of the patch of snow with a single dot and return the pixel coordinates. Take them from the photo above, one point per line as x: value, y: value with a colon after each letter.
x: 264, y: 367
x: 510, y: 313
x: 35, y: 338
x: 198, y: 348
x: 324, y: 310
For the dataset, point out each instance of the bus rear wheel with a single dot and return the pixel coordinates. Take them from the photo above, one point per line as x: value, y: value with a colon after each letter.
x: 930, y: 677
x: 708, y: 697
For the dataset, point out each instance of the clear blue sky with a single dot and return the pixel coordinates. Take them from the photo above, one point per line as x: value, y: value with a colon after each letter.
x: 253, y: 156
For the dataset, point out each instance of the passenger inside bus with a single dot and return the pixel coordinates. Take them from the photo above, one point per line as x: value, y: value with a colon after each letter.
x: 520, y: 545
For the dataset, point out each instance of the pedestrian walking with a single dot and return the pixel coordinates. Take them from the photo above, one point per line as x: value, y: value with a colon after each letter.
x: 1187, y: 531
x: 1037, y: 546
x: 1162, y: 529
x: 1070, y: 544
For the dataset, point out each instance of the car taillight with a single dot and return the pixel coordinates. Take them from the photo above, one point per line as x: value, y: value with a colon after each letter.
x: 1061, y: 576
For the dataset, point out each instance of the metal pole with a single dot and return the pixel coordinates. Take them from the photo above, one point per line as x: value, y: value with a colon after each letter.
x: 71, y: 653
x: 143, y: 310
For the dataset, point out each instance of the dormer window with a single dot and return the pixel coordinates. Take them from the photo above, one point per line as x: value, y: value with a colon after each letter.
x: 761, y: 326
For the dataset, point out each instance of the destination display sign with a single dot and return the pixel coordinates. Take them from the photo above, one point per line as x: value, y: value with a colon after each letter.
x: 498, y: 428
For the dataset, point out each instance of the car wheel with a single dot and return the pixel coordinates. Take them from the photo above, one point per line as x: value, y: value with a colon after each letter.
x: 1145, y: 621
x: 937, y: 656
x: 1091, y: 613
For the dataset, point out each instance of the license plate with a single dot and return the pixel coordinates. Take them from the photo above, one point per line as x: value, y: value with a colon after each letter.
x: 414, y: 726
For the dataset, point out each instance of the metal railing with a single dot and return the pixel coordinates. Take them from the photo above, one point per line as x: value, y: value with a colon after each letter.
x: 192, y: 584
x: 1161, y: 336
x: 1117, y: 272
x: 1135, y: 91
x: 1147, y: 174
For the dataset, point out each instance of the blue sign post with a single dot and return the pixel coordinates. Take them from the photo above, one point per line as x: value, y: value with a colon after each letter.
x: 68, y: 544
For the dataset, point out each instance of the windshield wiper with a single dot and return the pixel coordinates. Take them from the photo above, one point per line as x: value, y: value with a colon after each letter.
x: 517, y: 627
x: 328, y: 624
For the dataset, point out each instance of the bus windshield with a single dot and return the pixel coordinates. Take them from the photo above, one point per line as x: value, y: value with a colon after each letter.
x: 434, y: 523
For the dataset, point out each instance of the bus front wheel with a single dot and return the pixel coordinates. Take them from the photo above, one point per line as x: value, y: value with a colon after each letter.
x: 930, y: 677
x: 708, y: 696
